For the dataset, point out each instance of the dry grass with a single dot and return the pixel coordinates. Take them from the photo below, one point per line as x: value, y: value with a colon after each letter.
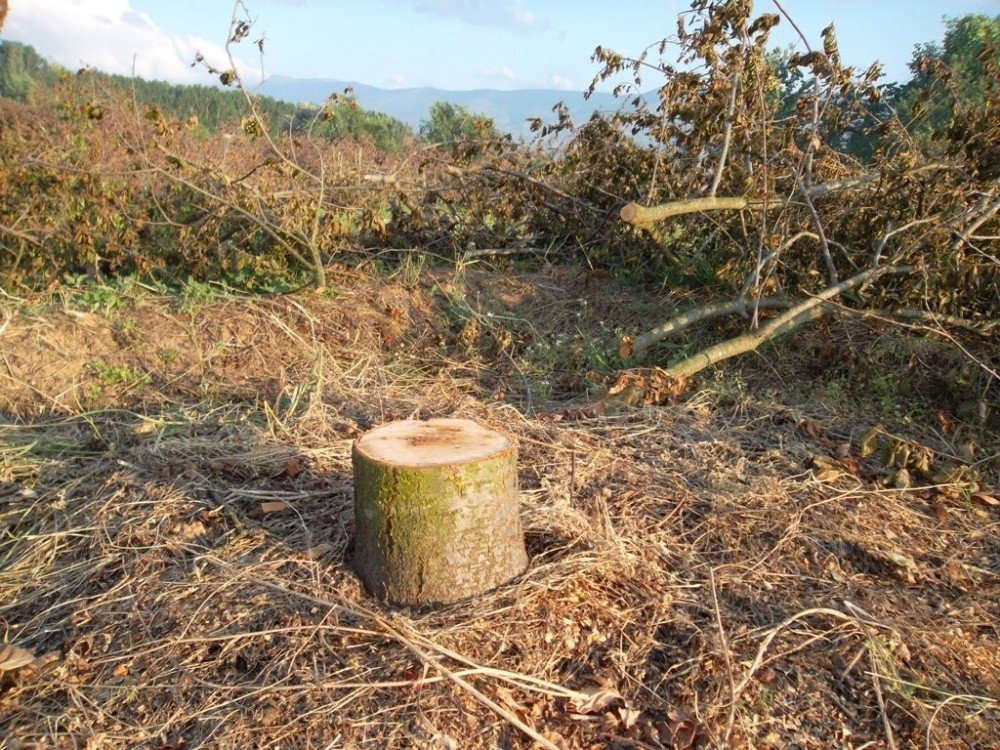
x: 692, y: 583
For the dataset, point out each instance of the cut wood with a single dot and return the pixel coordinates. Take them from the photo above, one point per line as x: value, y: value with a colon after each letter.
x: 633, y: 213
x: 639, y: 215
x: 436, y: 511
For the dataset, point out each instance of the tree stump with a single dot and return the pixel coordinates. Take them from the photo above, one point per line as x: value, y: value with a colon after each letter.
x: 436, y: 511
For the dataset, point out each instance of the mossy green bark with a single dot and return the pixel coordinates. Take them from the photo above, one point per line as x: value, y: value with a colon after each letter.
x: 437, y: 534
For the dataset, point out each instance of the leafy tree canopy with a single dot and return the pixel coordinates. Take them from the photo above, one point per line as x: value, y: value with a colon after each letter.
x: 21, y: 70
x: 341, y: 117
x: 955, y: 73
x: 449, y: 123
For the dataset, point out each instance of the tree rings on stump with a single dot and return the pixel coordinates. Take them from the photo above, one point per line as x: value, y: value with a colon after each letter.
x: 436, y: 511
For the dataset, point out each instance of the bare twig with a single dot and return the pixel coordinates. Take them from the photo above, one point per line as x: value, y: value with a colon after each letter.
x: 467, y: 688
x: 391, y: 630
x: 30, y: 238
x: 758, y: 660
x: 488, y: 252
x: 724, y: 643
x: 970, y: 229
x: 865, y: 624
x: 753, y: 278
x: 728, y: 134
x: 831, y: 267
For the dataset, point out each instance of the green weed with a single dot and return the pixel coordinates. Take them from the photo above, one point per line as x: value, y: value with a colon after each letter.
x: 118, y: 375
x: 195, y: 293
x: 170, y: 355
x: 101, y: 296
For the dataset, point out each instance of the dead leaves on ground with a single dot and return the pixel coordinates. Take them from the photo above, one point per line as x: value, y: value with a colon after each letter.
x: 899, y: 453
x: 602, y: 713
x: 594, y: 700
x: 905, y: 464
x: 641, y: 386
x: 986, y: 499
x: 293, y: 467
x: 252, y: 467
x: 14, y: 657
x: 828, y: 470
x: 840, y: 464
x: 648, y: 386
x: 813, y: 428
x: 270, y: 507
x: 682, y: 729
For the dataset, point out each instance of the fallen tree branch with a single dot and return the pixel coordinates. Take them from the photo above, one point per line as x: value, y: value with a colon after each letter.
x: 728, y: 136
x: 638, y: 215
x: 980, y: 327
x: 688, y: 318
x: 633, y: 213
x: 384, y: 179
x: 497, y: 251
x: 20, y: 235
x: 544, y: 186
x: 638, y: 346
x: 485, y: 169
x: 798, y: 315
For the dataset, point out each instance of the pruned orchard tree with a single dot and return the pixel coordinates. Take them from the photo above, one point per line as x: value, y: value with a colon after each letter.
x: 806, y: 190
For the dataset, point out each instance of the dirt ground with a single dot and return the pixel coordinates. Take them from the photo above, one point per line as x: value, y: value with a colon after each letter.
x: 730, y: 570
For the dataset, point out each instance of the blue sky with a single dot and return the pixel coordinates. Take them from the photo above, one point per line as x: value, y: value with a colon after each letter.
x: 451, y: 44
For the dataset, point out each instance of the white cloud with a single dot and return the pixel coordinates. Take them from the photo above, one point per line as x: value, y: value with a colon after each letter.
x: 503, y: 73
x: 561, y: 82
x: 110, y: 36
x: 396, y: 81
x: 499, y: 13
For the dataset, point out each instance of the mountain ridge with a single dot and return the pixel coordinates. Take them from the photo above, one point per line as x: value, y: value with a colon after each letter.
x: 511, y: 110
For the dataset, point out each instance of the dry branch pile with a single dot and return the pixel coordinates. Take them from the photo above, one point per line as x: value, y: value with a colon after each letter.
x: 767, y: 182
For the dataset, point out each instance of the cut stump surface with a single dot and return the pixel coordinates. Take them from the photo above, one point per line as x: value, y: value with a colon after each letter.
x: 436, y: 511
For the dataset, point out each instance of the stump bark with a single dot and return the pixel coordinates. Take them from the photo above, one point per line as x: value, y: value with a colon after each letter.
x: 436, y: 511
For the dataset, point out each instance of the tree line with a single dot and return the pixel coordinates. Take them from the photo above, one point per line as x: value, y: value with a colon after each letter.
x: 25, y: 76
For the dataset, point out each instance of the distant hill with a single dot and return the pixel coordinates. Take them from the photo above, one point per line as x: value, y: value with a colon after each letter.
x: 510, y: 110
x: 26, y: 76
x: 383, y: 115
